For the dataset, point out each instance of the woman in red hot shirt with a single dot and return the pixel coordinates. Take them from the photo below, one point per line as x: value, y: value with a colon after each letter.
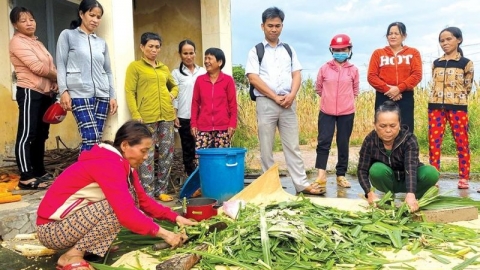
x: 394, y: 71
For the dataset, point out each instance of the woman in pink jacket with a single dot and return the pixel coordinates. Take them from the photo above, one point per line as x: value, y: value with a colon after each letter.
x: 337, y: 85
x: 214, y: 104
x: 91, y: 200
x: 36, y: 85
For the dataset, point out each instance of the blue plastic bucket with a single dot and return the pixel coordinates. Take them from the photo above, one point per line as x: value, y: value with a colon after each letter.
x: 221, y: 172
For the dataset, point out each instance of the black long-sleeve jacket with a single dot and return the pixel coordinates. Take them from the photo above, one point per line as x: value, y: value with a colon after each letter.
x: 403, y: 159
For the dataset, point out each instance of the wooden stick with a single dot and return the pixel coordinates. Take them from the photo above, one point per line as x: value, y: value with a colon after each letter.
x: 182, y: 261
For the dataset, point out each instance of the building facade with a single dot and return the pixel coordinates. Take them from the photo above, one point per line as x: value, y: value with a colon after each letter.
x: 206, y: 22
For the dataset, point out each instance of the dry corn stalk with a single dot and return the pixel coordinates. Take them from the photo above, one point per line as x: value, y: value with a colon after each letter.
x: 26, y: 236
x: 11, y: 198
x: 28, y: 250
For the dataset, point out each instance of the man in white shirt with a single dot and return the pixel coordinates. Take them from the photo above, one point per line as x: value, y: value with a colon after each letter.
x: 277, y: 80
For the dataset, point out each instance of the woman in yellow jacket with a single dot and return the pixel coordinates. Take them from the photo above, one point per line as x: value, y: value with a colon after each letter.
x: 150, y: 89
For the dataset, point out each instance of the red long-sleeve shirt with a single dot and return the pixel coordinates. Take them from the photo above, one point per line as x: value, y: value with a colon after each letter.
x: 214, y: 105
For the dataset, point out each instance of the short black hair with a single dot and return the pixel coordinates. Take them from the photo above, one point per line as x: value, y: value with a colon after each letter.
x: 272, y: 13
x: 16, y: 13
x: 218, y: 54
x: 150, y: 36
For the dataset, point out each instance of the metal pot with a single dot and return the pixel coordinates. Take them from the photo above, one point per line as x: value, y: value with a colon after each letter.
x: 201, y: 208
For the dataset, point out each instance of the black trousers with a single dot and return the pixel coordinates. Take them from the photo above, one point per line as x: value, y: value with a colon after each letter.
x: 32, y: 132
x: 406, y: 104
x: 326, y: 129
x: 188, y: 145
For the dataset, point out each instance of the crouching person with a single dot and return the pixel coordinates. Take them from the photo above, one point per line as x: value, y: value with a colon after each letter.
x: 389, y: 159
x: 92, y: 199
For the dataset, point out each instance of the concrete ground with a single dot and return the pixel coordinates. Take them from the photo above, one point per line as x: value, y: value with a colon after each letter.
x: 19, y: 217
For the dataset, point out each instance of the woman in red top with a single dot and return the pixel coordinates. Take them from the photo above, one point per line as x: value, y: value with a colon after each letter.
x: 214, y: 104
x: 394, y: 71
x: 91, y: 200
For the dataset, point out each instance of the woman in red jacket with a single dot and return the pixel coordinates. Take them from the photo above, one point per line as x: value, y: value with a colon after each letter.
x: 214, y: 104
x: 394, y: 71
x: 92, y: 199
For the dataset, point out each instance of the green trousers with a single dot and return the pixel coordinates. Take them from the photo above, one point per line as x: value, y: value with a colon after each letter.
x: 382, y: 178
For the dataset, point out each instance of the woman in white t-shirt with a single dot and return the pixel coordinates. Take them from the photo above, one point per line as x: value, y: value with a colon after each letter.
x: 185, y: 77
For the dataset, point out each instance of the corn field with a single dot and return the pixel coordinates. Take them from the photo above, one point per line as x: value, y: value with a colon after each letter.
x: 308, y: 108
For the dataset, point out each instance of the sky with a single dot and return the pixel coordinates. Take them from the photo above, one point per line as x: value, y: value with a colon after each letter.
x: 309, y: 26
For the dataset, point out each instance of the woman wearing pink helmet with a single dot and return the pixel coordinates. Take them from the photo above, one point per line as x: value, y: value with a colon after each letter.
x: 337, y: 85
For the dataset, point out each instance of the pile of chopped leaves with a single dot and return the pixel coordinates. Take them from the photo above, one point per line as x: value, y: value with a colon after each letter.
x: 303, y: 235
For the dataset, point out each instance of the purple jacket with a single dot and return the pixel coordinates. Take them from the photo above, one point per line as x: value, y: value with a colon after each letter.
x: 338, y: 87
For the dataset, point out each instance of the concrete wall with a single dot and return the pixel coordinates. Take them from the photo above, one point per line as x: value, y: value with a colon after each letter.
x: 174, y: 21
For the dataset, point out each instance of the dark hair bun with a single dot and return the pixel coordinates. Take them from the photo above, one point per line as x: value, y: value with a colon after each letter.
x: 388, y: 104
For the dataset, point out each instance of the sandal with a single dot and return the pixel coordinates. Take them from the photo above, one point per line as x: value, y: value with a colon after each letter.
x: 314, y: 188
x: 463, y: 184
x: 321, y: 182
x: 165, y: 198
x: 72, y: 266
x: 47, y: 177
x: 33, y: 185
x: 343, y: 182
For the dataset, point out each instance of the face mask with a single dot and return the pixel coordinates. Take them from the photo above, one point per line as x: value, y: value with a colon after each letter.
x: 340, y: 56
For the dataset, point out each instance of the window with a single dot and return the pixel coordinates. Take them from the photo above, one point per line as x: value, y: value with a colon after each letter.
x: 52, y: 17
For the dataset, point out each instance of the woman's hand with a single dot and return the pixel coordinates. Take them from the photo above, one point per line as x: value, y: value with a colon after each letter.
x: 194, y: 131
x: 171, y: 97
x: 66, y: 101
x: 372, y: 198
x: 397, y: 97
x: 231, y: 131
x: 173, y: 239
x: 113, y: 106
x: 176, y: 123
x: 54, y: 87
x: 412, y: 202
x: 393, y: 92
x: 181, y: 221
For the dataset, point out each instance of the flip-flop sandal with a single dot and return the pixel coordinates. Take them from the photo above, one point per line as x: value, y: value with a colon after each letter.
x: 73, y: 266
x: 314, y: 186
x: 47, y: 177
x: 165, y: 198
x: 463, y: 184
x: 34, y: 185
x: 343, y: 182
x: 321, y: 182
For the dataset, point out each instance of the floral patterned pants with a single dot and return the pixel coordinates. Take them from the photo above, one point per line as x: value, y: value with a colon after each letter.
x: 155, y: 171
x: 212, y: 139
